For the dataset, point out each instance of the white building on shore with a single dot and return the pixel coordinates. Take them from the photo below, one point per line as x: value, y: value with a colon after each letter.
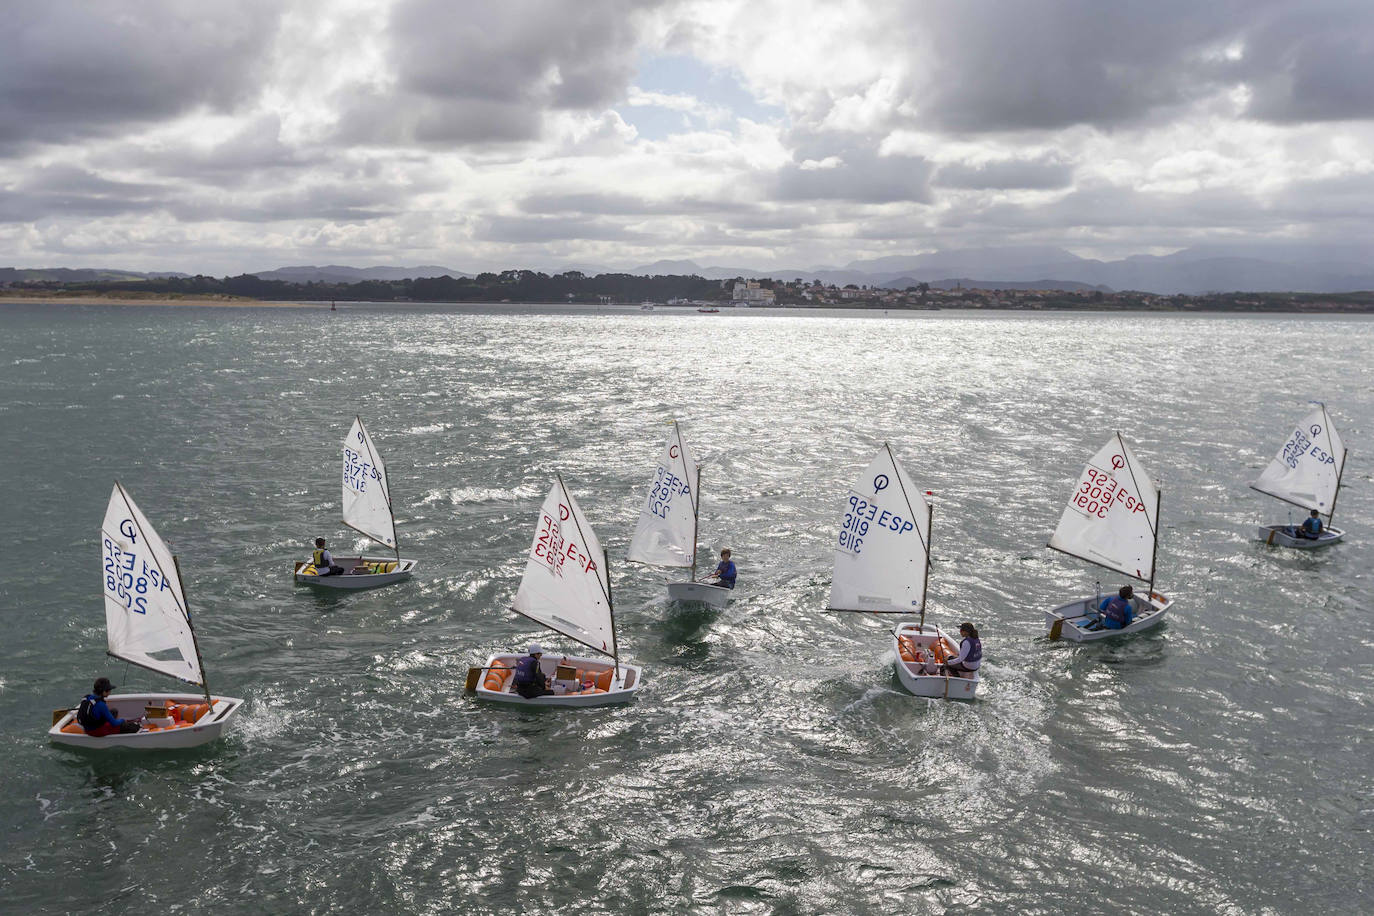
x: 748, y: 292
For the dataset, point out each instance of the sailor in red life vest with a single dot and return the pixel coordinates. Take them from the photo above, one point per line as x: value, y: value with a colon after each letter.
x: 970, y: 656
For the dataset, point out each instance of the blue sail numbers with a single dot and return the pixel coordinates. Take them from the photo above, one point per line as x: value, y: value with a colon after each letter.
x: 366, y: 501
x: 881, y: 550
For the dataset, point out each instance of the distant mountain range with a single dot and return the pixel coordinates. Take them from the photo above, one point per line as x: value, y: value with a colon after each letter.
x: 334, y: 273
x: 76, y: 275
x: 1273, y: 267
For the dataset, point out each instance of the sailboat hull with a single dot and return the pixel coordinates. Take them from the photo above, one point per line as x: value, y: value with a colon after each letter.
x: 1078, y: 614
x: 176, y: 734
x: 919, y: 677
x: 348, y: 580
x: 1278, y: 536
x: 717, y: 596
x: 497, y: 682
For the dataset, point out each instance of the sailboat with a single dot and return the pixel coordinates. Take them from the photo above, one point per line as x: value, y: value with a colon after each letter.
x: 1306, y: 472
x: 1112, y: 520
x: 666, y: 534
x: 567, y: 588
x: 148, y: 623
x: 367, y: 510
x: 882, y: 566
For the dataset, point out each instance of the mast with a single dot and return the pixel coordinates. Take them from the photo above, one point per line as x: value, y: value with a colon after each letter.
x: 1154, y: 552
x: 1344, y: 451
x: 696, y: 514
x: 696, y: 497
x: 186, y: 606
x: 610, y: 607
x: 925, y: 583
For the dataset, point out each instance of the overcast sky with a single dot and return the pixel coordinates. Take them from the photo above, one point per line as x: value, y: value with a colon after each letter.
x: 224, y: 137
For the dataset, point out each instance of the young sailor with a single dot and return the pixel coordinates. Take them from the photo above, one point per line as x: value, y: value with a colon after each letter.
x: 324, y: 561
x: 1311, y: 527
x: 970, y: 655
x: 725, y: 570
x: 1117, y: 611
x: 94, y: 713
x: 530, y: 680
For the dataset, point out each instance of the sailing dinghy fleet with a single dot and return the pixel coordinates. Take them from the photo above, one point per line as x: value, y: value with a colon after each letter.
x: 1306, y: 472
x: 367, y: 510
x: 666, y: 534
x: 881, y: 566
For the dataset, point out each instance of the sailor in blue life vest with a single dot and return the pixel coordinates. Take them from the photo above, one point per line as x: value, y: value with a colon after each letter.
x: 725, y: 571
x: 1117, y: 611
x: 94, y: 713
x: 530, y: 680
x: 1311, y: 527
x: 970, y: 656
x: 324, y: 561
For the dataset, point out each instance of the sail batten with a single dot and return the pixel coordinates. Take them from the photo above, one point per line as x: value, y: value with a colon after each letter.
x: 881, y: 553
x: 1307, y: 469
x: 146, y: 621
x: 1111, y: 517
x: 666, y: 532
x: 566, y: 586
x: 366, y: 497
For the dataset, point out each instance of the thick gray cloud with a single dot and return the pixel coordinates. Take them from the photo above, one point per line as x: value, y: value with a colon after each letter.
x: 339, y: 201
x: 55, y: 192
x: 1312, y: 62
x: 486, y: 72
x: 1046, y: 64
x: 985, y: 65
x: 70, y: 69
x: 253, y: 155
x: 525, y: 229
x: 609, y: 204
x: 860, y: 176
x: 1042, y: 173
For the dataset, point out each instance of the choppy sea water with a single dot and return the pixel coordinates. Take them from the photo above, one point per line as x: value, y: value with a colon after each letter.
x: 771, y: 764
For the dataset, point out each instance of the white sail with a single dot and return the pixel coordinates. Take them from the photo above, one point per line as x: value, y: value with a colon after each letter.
x: 1307, y: 469
x: 666, y: 533
x: 883, y: 547
x: 366, y: 499
x: 146, y: 620
x: 565, y: 586
x: 1111, y: 516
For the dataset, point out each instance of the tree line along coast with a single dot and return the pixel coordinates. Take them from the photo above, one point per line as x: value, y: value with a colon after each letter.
x: 575, y: 287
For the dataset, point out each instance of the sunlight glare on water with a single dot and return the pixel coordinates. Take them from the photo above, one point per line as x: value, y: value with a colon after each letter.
x: 772, y: 762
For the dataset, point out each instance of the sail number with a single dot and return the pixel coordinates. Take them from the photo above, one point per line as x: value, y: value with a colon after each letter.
x: 1100, y: 491
x: 1299, y: 446
x: 666, y: 485
x: 554, y: 550
x: 862, y: 513
x: 128, y: 579
x: 357, y: 472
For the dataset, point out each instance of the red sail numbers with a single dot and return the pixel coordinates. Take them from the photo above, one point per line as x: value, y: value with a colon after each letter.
x: 555, y: 551
x: 1099, y: 491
